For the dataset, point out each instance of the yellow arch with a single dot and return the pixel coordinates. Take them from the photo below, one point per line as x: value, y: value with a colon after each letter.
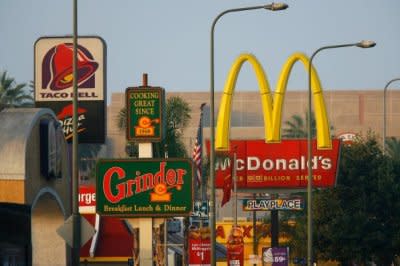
x: 272, y: 110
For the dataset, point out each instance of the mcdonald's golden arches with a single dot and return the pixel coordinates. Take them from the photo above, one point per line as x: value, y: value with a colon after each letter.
x: 272, y: 108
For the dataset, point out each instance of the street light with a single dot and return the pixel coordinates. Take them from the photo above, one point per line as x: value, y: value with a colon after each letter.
x: 76, y: 219
x: 362, y: 44
x: 384, y: 112
x: 271, y: 7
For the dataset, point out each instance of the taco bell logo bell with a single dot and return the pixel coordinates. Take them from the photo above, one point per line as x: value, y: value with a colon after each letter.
x: 54, y: 69
x: 57, y: 73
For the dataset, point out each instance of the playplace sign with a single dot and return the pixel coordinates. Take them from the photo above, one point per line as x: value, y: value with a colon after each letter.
x: 291, y: 204
x: 144, y: 188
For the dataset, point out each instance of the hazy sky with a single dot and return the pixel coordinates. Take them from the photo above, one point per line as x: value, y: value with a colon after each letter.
x: 170, y: 40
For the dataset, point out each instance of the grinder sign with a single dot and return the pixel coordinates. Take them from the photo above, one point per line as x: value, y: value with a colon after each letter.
x: 144, y: 188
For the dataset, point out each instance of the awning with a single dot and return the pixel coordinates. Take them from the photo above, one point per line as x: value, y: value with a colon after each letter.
x: 114, y: 241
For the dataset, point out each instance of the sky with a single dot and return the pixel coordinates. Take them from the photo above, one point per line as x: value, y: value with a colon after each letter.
x: 170, y: 40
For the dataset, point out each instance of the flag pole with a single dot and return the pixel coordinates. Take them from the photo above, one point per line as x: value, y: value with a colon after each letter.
x: 202, y: 184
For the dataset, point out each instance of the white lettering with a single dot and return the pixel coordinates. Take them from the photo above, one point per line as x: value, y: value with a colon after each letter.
x: 240, y: 165
x: 253, y: 163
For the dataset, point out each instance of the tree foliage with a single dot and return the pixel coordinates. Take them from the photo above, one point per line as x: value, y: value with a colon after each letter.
x: 87, y: 154
x: 297, y: 127
x: 357, y: 221
x: 13, y: 94
x: 393, y: 148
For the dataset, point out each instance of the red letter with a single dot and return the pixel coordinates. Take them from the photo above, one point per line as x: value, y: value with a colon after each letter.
x: 107, y: 185
x: 181, y: 173
x: 220, y: 231
x: 246, y: 230
x: 171, y: 177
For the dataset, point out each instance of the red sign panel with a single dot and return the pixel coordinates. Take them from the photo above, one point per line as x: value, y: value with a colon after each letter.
x: 235, y: 248
x: 199, y: 247
x: 278, y: 165
x: 87, y: 199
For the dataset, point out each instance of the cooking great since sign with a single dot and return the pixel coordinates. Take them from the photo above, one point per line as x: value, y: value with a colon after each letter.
x: 144, y: 188
x: 145, y: 114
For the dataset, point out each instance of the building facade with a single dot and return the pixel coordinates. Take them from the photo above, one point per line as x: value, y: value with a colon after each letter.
x: 350, y: 112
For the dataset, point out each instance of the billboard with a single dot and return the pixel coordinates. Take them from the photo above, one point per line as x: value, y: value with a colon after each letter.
x: 91, y: 122
x: 272, y: 108
x: 199, y: 244
x: 235, y: 247
x: 278, y: 165
x: 54, y: 89
x: 87, y: 199
x: 144, y: 188
x: 275, y: 256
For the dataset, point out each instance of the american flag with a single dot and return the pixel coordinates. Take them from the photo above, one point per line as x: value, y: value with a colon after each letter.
x: 197, y: 150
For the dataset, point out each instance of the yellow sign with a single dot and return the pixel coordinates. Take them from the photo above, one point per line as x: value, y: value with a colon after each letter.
x: 272, y: 109
x: 263, y: 234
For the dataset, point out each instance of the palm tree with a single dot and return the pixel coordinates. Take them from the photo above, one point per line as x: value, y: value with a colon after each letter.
x: 296, y: 127
x: 393, y: 148
x: 13, y: 94
x: 87, y: 154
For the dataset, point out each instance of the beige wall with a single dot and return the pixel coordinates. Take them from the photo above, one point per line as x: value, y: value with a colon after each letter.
x: 355, y: 111
x: 48, y: 248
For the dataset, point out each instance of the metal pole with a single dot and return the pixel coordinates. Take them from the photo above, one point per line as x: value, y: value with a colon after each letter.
x: 362, y: 44
x: 75, y: 171
x: 272, y: 7
x: 384, y: 113
x: 255, y: 244
x: 235, y: 186
x: 166, y: 221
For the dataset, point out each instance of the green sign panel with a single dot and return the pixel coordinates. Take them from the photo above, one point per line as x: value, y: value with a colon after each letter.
x: 144, y: 188
x: 145, y: 114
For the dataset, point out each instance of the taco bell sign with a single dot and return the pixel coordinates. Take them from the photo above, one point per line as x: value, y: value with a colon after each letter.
x: 54, y: 83
x: 53, y: 69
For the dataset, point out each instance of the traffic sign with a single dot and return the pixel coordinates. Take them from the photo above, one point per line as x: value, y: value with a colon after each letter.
x: 66, y: 231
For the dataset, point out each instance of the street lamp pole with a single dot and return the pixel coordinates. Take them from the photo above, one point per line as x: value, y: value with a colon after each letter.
x: 384, y: 112
x: 362, y: 44
x: 76, y: 219
x: 272, y: 7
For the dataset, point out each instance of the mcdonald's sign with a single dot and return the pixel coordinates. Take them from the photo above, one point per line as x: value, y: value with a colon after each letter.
x: 282, y: 165
x: 272, y: 108
x: 275, y: 163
